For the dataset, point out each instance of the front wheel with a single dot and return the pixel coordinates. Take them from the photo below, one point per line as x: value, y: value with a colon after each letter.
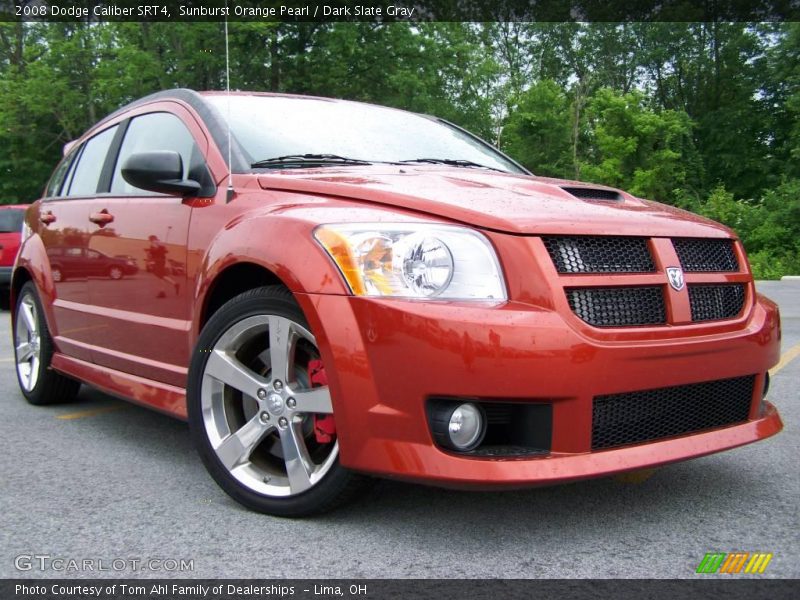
x: 260, y: 410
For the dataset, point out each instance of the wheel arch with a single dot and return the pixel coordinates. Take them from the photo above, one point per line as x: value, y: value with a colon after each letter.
x: 33, y: 265
x: 261, y: 249
x: 21, y: 277
x: 233, y: 280
x: 258, y: 250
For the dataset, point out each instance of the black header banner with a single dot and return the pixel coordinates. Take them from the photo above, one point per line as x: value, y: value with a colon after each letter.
x: 401, y: 10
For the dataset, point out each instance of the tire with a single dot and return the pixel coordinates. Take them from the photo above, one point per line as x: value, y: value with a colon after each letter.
x: 115, y: 273
x: 33, y: 351
x: 57, y: 274
x: 245, y: 418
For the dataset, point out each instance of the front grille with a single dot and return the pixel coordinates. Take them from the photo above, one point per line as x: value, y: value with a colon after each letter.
x: 618, y: 306
x: 592, y: 193
x: 714, y: 302
x: 634, y: 417
x: 596, y: 254
x: 699, y: 255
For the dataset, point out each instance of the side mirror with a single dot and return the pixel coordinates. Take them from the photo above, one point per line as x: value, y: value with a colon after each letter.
x: 159, y: 171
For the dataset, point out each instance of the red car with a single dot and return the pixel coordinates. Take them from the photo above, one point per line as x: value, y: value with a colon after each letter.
x: 71, y: 262
x: 376, y: 292
x: 11, y: 217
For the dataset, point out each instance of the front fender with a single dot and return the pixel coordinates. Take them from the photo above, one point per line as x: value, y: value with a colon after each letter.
x: 279, y: 238
x: 279, y: 243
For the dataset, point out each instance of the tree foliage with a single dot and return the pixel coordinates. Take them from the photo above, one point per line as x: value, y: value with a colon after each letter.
x: 701, y: 115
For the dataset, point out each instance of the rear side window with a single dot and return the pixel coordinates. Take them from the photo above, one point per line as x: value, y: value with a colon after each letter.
x: 86, y: 174
x: 11, y: 220
x: 157, y: 131
x: 54, y: 186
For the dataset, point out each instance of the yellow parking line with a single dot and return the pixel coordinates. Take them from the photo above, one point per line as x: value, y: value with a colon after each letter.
x: 6, y: 360
x: 92, y: 412
x: 787, y: 357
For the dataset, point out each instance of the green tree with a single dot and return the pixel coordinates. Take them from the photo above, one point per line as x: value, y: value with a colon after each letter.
x: 714, y: 72
x: 782, y: 91
x: 633, y: 146
x: 769, y: 228
x: 538, y: 132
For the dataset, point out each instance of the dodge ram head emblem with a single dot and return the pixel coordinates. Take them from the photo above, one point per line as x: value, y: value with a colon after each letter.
x: 675, y: 276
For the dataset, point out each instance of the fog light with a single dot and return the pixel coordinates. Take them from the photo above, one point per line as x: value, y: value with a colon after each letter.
x: 459, y: 426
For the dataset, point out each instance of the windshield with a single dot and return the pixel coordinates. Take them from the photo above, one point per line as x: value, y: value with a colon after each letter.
x: 11, y: 220
x: 272, y: 126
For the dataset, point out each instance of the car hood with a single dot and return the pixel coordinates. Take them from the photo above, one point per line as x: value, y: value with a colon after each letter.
x: 517, y: 204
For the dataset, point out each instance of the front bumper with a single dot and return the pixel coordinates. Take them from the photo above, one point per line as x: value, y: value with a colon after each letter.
x: 386, y: 358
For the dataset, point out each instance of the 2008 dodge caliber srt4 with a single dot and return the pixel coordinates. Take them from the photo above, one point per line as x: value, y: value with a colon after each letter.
x: 376, y: 292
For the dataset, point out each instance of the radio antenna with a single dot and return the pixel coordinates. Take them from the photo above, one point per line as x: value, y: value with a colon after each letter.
x: 229, y: 195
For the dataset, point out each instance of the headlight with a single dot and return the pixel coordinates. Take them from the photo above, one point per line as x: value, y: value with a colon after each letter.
x: 414, y: 261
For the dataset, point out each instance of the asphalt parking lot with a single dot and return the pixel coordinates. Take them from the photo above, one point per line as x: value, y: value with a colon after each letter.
x: 102, y: 479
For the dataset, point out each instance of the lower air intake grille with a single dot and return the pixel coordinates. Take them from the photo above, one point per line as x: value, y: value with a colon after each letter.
x: 598, y: 254
x: 716, y: 302
x: 622, y: 419
x: 618, y: 306
x: 699, y: 255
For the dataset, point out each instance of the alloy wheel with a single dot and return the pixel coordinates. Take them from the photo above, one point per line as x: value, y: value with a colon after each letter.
x: 260, y: 408
x: 27, y: 343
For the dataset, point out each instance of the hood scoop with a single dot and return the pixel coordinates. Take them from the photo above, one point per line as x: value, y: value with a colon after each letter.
x: 586, y: 193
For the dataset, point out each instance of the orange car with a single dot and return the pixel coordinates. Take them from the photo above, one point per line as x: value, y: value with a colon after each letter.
x: 328, y: 290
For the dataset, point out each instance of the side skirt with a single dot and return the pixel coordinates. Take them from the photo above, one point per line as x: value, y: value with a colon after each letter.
x: 159, y: 396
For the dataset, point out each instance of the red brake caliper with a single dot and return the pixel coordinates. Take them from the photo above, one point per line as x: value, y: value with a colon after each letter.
x: 324, y: 426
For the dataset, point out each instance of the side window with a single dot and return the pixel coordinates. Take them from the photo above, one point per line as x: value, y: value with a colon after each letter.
x: 86, y: 174
x: 54, y: 186
x: 158, y: 131
x: 71, y: 173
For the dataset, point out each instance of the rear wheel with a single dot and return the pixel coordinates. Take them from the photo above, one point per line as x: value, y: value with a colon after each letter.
x: 260, y: 410
x: 33, y: 350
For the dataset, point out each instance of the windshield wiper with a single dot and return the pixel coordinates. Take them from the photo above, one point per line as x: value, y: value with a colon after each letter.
x: 304, y: 160
x: 453, y: 162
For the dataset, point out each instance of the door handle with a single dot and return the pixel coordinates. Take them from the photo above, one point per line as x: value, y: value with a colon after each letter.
x: 47, y: 218
x: 101, y: 218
